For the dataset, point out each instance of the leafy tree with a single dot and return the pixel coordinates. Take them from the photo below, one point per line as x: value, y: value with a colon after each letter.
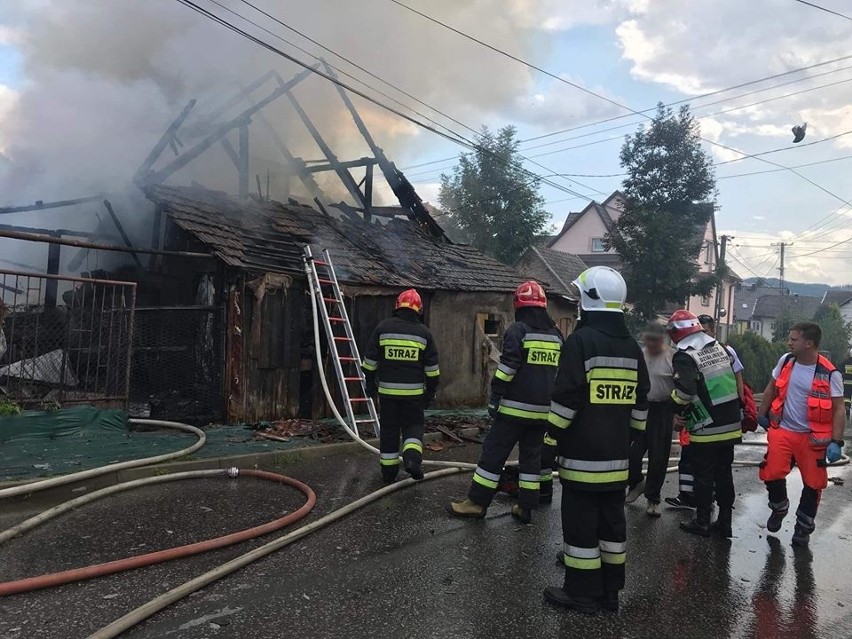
x: 669, y: 190
x: 758, y: 358
x: 783, y: 323
x: 492, y: 200
x: 836, y: 332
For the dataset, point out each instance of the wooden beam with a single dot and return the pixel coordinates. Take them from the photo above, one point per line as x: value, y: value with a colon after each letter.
x: 243, y: 167
x: 121, y: 232
x: 40, y: 206
x: 166, y: 139
x: 47, y: 239
x: 350, y: 164
x: 244, y: 118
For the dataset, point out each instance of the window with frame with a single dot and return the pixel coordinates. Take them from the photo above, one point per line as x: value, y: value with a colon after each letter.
x: 598, y: 245
x: 705, y: 300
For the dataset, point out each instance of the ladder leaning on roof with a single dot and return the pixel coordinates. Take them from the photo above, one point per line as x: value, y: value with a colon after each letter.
x: 341, y: 343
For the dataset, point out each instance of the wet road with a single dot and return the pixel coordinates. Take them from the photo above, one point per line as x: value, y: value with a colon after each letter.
x: 402, y: 567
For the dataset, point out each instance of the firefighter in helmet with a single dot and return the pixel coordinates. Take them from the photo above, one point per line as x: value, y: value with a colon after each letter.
x: 706, y: 397
x: 401, y: 366
x: 601, y: 392
x: 519, y: 404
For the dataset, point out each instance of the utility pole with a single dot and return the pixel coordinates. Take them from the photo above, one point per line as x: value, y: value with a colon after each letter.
x: 783, y: 245
x: 720, y: 289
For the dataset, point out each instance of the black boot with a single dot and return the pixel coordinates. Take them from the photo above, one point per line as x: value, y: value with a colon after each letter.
x: 776, y: 518
x: 698, y: 525
x: 558, y: 597
x: 609, y: 601
x: 722, y: 525
x: 412, y: 467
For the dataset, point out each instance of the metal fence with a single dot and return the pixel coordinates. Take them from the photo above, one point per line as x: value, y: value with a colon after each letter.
x: 178, y: 363
x: 64, y: 339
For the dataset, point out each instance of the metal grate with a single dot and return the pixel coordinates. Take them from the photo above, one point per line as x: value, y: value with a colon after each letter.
x: 65, y: 340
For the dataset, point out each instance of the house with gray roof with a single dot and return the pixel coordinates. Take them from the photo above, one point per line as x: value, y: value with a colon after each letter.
x: 770, y: 308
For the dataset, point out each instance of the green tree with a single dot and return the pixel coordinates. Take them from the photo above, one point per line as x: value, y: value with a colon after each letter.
x: 492, y: 200
x: 669, y: 190
x: 758, y: 357
x: 783, y: 323
x: 836, y: 332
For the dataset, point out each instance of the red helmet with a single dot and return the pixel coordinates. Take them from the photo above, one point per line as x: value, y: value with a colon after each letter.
x: 530, y: 294
x: 681, y: 324
x: 410, y: 299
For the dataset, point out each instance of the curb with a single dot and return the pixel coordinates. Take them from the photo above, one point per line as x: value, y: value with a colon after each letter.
x: 268, y: 459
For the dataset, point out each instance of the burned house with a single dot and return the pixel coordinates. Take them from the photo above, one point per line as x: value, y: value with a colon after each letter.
x: 257, y: 276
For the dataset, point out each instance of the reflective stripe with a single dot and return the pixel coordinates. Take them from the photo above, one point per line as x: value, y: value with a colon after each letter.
x: 715, y: 430
x: 549, y: 441
x: 613, y: 558
x: 637, y: 424
x: 641, y: 415
x: 528, y: 477
x: 503, y: 377
x: 545, y: 346
x: 698, y: 438
x: 562, y: 411
x: 370, y: 365
x: 390, y: 388
x: 611, y: 362
x: 542, y: 337
x: 613, y: 546
x: 508, y: 370
x: 389, y: 459
x: 594, y: 466
x: 546, y: 475
x: 483, y: 477
x: 593, y: 478
x: 582, y: 558
x: 681, y: 398
x: 402, y: 337
x: 529, y: 485
x: 433, y: 371
x: 412, y: 444
x: 612, y: 373
x: 521, y: 409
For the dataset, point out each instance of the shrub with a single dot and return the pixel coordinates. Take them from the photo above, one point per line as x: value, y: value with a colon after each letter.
x: 8, y: 407
x: 758, y: 356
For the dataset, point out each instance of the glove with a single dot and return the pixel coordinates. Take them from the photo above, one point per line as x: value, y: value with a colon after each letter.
x: 763, y: 421
x: 833, y: 453
x: 428, y: 399
x: 492, y: 411
x: 372, y: 390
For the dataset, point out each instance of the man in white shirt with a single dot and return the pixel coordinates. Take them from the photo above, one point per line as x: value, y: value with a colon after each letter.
x: 802, y: 408
x: 657, y: 437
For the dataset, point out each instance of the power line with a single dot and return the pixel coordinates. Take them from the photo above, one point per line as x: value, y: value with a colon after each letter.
x: 602, y: 97
x: 798, y: 166
x: 783, y: 148
x: 831, y: 11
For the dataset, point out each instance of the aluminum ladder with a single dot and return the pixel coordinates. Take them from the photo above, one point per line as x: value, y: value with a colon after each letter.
x: 341, y: 342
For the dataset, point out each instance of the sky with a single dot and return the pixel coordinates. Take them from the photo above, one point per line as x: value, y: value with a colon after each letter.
x: 87, y: 86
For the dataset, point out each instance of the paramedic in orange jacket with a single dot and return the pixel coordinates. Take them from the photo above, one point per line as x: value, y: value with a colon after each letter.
x: 803, y: 410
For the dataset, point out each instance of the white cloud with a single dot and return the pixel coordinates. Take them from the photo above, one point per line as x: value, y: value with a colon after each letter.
x: 10, y: 36
x: 8, y: 100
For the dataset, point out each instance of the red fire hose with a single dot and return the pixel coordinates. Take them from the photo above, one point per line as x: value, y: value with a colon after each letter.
x: 149, y: 559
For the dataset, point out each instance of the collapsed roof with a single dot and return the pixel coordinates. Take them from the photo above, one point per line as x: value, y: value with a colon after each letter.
x: 268, y: 236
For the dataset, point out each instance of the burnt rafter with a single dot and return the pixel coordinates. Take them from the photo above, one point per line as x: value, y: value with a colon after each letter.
x: 208, y: 130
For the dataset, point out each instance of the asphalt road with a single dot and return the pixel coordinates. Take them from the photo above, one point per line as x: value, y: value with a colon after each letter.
x: 403, y: 567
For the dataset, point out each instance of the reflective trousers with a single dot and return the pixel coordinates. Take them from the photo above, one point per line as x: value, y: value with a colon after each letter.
x: 400, y: 418
x: 496, y: 448
x: 594, y: 532
x: 656, y: 440
x: 786, y: 449
x: 711, y: 466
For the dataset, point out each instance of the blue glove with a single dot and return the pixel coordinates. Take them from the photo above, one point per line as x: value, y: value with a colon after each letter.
x: 763, y: 421
x: 833, y: 453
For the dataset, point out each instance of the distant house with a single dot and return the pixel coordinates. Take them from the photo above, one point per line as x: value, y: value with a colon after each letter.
x: 770, y: 308
x: 559, y: 270
x: 842, y: 298
x: 583, y: 235
x: 745, y: 298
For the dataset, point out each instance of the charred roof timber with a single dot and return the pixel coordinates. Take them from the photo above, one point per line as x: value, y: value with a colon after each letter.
x: 214, y: 132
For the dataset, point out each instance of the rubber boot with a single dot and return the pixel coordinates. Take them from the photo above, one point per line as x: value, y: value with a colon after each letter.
x: 466, y: 509
x: 776, y: 518
x: 722, y: 525
x: 609, y: 601
x: 524, y: 515
x: 698, y: 525
x: 389, y: 474
x: 559, y: 597
x: 412, y: 467
x: 801, y: 537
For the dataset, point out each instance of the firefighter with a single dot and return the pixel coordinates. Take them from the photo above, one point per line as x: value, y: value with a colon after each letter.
x: 519, y: 405
x: 401, y: 366
x: 601, y: 393
x: 706, y: 397
x: 803, y: 410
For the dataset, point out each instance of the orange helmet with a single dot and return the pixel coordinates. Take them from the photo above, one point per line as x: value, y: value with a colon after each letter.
x: 530, y: 294
x: 681, y: 324
x: 410, y: 299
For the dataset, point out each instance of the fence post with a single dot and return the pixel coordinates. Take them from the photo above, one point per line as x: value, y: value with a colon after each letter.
x: 130, y: 327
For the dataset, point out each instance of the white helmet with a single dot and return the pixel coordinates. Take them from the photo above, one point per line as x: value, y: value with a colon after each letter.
x: 601, y: 289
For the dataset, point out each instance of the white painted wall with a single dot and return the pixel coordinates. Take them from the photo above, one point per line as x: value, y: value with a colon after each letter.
x: 578, y: 239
